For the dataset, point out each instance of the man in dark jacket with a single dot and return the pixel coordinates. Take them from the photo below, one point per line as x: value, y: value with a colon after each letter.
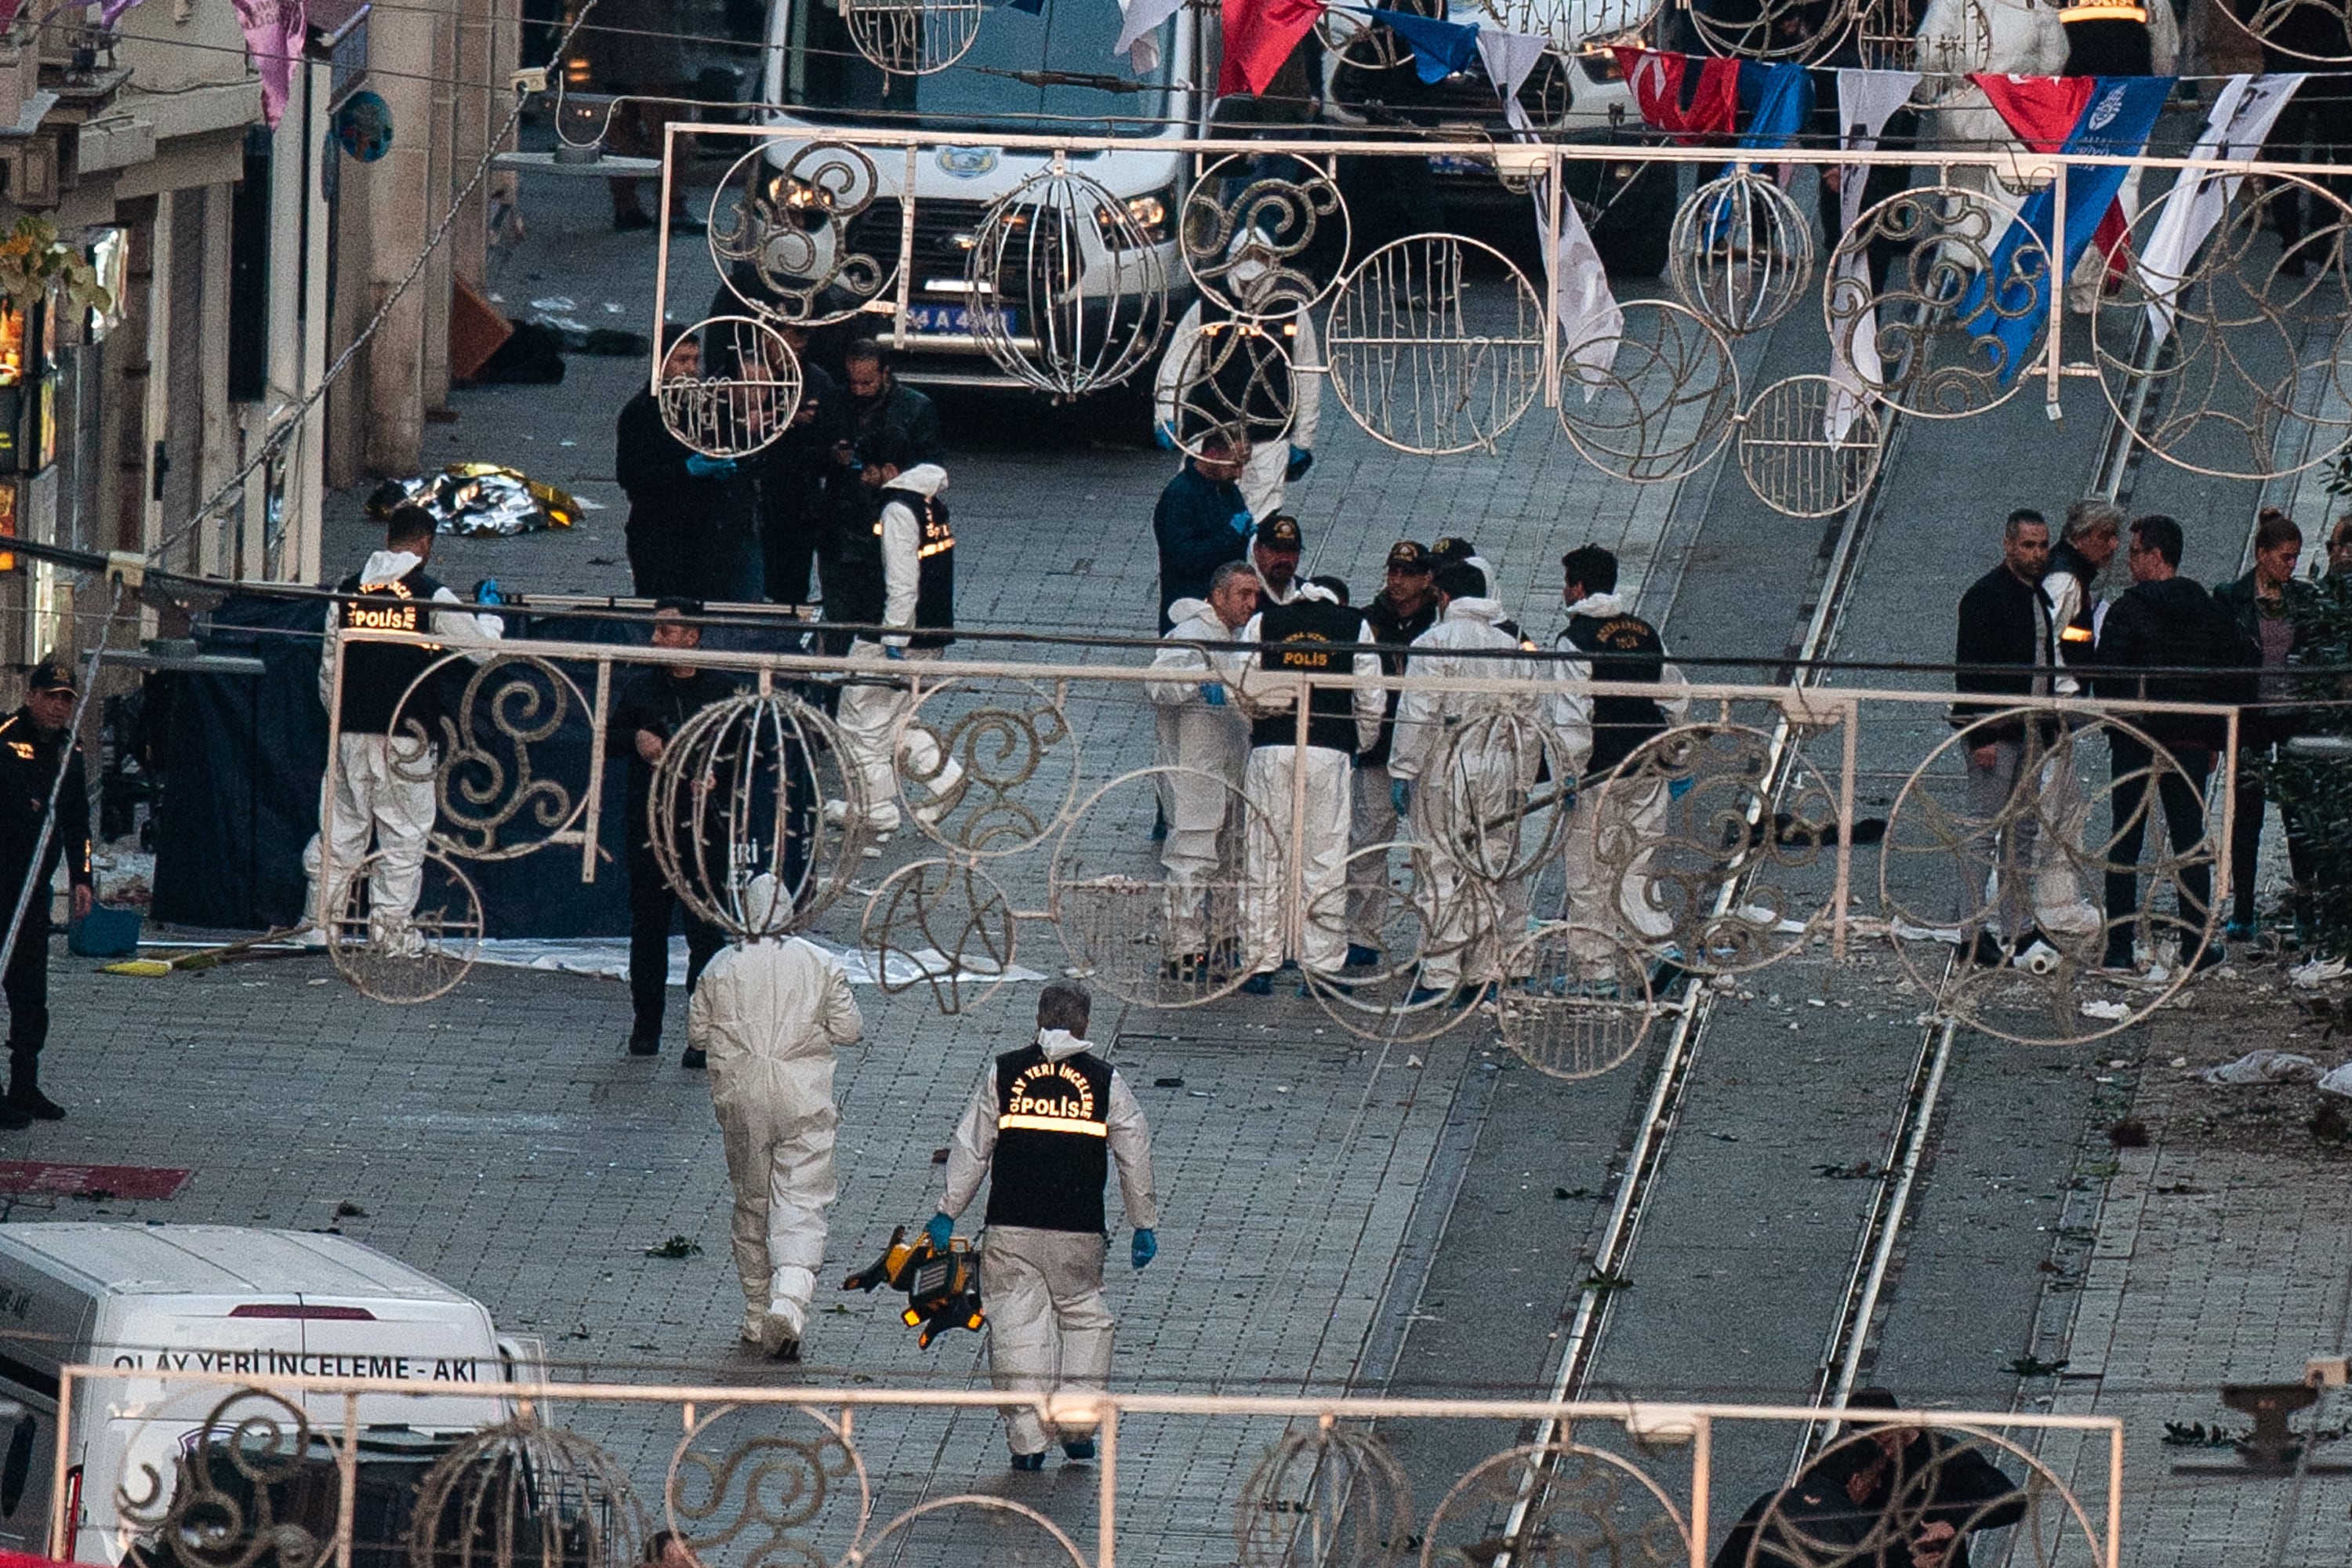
x: 1883, y: 1495
x: 877, y: 402
x: 1201, y: 523
x: 34, y: 741
x: 1403, y: 609
x: 653, y: 705
x: 693, y: 526
x: 2263, y: 605
x: 2164, y: 620
x: 792, y: 477
x: 2006, y: 647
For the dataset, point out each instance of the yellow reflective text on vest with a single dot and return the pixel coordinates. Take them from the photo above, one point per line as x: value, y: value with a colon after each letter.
x: 1051, y: 1097
x: 937, y: 535
x: 2103, y: 12
x: 399, y: 618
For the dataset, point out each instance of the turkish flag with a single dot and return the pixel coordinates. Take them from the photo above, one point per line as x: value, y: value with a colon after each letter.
x: 2044, y: 111
x: 1259, y: 35
x: 1690, y: 108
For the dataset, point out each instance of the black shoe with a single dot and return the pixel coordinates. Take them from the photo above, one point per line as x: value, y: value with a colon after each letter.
x: 32, y: 1102
x: 632, y: 221
x: 645, y: 1045
x: 1029, y: 1461
x: 1987, y: 952
x: 1079, y: 1448
x: 694, y: 1058
x: 12, y: 1120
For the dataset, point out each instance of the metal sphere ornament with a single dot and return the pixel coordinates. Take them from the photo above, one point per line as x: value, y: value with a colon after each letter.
x: 1427, y: 361
x: 1665, y: 403
x: 1795, y: 456
x: 1741, y: 255
x: 747, y: 396
x: 1068, y: 287
x: 781, y: 232
x: 1246, y: 225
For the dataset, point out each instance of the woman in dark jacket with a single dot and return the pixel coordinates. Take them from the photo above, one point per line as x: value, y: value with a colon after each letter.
x: 2261, y: 603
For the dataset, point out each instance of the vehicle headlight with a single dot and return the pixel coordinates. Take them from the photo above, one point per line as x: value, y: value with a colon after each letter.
x: 1150, y: 212
x: 1601, y: 65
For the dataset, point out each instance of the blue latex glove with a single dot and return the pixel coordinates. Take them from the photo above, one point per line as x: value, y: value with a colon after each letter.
x: 485, y: 592
x: 1163, y: 435
x: 703, y: 468
x: 1212, y: 694
x: 942, y: 1230
x: 1301, y: 459
x: 1400, y: 796
x: 1242, y: 523
x: 1143, y: 1249
x: 1677, y: 788
x: 889, y: 652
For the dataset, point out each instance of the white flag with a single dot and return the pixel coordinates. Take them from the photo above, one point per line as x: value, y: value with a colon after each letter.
x: 1867, y: 100
x: 1508, y: 57
x: 1590, y: 323
x: 1137, y: 35
x: 2242, y: 115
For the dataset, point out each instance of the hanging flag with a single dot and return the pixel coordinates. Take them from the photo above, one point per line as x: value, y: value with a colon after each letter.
x: 1591, y: 323
x: 1138, y: 35
x: 2119, y: 116
x: 1259, y: 36
x: 1690, y: 108
x: 1867, y: 99
x: 273, y: 37
x: 108, y: 14
x: 2042, y: 111
x: 1439, y: 48
x: 1510, y: 58
x: 1779, y: 99
x: 2240, y: 122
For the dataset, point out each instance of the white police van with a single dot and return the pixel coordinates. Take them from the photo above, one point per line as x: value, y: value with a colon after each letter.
x: 248, y: 1302
x: 1050, y: 71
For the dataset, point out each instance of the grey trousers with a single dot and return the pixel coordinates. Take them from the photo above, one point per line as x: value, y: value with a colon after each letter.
x: 1992, y: 794
x: 1048, y: 1325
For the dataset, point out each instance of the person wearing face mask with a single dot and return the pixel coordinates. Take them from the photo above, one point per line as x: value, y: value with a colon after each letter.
x: 2263, y: 604
x: 1211, y: 743
x: 42, y: 823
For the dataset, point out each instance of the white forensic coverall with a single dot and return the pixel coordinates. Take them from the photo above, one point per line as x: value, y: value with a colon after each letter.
x: 2059, y: 902
x: 1636, y: 915
x: 872, y: 710
x: 1212, y: 739
x: 381, y: 786
x: 1263, y: 482
x: 770, y: 1013
x: 1469, y: 817
x: 1322, y: 845
x: 1048, y: 1325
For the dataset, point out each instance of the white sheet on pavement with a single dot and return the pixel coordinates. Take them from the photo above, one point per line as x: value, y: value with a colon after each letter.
x: 608, y: 956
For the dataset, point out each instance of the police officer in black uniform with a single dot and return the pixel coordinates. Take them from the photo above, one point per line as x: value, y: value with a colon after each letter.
x: 653, y: 704
x: 1405, y: 608
x: 33, y: 741
x: 1045, y: 1126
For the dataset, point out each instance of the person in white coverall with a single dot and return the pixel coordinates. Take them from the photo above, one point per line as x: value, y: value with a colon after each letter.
x: 1045, y: 1126
x: 1211, y: 738
x: 1277, y: 458
x: 1607, y: 641
x: 1471, y: 813
x: 1299, y: 637
x: 382, y: 785
x: 769, y: 1014
x: 918, y: 606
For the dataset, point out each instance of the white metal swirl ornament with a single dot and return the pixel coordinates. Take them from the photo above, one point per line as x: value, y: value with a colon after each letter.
x: 1245, y: 226
x: 1427, y: 361
x: 1666, y: 404
x: 1931, y: 335
x: 1740, y: 255
x: 747, y: 404
x: 913, y: 37
x: 1068, y: 288
x: 2231, y: 363
x: 783, y: 214
x: 1794, y: 456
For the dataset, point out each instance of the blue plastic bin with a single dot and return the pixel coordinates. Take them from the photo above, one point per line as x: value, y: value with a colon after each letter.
x: 105, y: 933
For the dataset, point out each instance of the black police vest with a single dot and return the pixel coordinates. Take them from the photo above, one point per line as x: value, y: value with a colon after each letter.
x: 1299, y: 638
x: 1053, y: 1142
x: 2075, y: 637
x: 934, y: 563
x: 1621, y: 647
x: 376, y: 674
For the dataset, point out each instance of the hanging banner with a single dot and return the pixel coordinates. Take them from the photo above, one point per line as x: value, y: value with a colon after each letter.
x: 273, y: 37
x: 2240, y: 122
x: 1867, y: 99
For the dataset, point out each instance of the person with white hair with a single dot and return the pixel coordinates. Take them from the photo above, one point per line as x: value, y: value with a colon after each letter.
x: 768, y: 1014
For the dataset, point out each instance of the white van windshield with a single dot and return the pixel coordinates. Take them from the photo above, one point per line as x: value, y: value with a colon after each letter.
x: 1049, y: 71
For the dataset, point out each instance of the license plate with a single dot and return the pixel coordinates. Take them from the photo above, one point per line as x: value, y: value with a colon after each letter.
x: 1455, y: 163
x: 958, y: 320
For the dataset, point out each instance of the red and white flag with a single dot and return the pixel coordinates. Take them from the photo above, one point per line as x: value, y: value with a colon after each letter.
x: 1259, y: 35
